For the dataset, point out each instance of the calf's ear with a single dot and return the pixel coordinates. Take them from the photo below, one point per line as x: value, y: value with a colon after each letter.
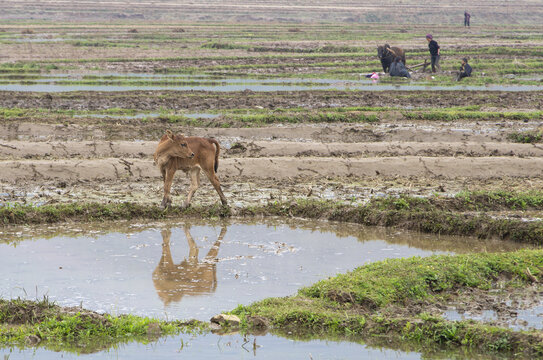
x: 169, y: 134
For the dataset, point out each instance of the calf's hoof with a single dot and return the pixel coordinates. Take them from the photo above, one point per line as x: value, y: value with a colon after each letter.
x: 165, y: 204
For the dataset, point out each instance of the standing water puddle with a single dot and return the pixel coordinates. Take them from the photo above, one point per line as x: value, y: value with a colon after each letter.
x: 270, y: 87
x: 519, y: 316
x: 183, y: 270
x: 145, y: 115
x: 193, y: 270
x: 234, y: 346
x: 183, y: 82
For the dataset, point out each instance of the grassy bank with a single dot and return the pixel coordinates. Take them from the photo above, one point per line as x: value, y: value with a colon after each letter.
x: 392, y: 299
x: 465, y: 214
x: 32, y: 323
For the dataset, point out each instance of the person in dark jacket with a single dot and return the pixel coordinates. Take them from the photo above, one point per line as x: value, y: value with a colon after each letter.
x: 434, y: 52
x: 465, y: 70
x: 397, y: 68
x: 467, y: 16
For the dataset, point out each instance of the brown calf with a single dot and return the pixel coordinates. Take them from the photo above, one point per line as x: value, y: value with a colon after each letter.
x: 190, y: 154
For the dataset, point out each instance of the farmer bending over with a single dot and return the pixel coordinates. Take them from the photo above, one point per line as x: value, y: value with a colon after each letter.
x: 397, y: 68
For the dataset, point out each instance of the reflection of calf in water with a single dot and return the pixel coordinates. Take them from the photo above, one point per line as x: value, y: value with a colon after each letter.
x: 190, y: 276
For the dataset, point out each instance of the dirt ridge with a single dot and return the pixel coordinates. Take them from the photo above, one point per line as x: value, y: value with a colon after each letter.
x: 145, y: 149
x: 237, y: 169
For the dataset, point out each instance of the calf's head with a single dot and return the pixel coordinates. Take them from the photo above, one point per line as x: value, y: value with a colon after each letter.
x: 173, y: 145
x: 178, y: 145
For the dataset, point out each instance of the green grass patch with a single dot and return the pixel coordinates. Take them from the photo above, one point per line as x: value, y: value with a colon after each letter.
x: 88, y: 43
x: 317, y: 117
x: 525, y: 137
x: 430, y: 216
x: 28, y: 214
x: 403, y: 281
x: 283, y: 49
x: 364, y: 302
x: 28, y: 323
x: 455, y: 115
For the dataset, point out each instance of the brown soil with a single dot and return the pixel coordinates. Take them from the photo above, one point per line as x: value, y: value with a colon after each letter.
x: 47, y: 163
x: 201, y: 100
x: 29, y: 312
x: 278, y: 11
x: 84, y: 159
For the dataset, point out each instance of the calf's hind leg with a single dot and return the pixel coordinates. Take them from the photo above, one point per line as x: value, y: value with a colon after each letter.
x: 216, y: 184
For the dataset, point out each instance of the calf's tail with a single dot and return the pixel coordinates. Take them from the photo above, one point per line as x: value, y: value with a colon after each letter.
x: 217, y: 151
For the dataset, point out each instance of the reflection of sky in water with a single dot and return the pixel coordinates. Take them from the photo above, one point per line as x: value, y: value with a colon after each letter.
x: 262, y: 88
x: 523, y: 319
x: 229, y: 347
x: 114, y: 272
x: 146, y: 115
x: 225, y: 84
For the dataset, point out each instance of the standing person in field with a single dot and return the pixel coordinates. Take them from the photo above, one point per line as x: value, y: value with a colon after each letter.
x: 434, y: 52
x: 467, y: 16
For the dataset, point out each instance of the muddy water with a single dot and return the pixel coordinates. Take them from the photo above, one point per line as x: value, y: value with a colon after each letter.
x: 264, y: 87
x: 147, y: 115
x: 107, y: 82
x: 520, y: 316
x: 228, y: 347
x: 195, y: 270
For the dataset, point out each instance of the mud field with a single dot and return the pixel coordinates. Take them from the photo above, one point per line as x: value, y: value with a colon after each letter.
x: 442, y: 143
x: 348, y: 11
x: 110, y: 159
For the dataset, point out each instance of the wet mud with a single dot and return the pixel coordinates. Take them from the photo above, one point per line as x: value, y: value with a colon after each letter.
x: 93, y: 160
x: 520, y: 310
x: 203, y: 100
x: 64, y: 158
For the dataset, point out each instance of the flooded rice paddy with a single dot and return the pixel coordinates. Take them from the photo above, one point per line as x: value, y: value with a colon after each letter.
x: 199, y: 115
x: 196, y: 270
x: 201, y: 82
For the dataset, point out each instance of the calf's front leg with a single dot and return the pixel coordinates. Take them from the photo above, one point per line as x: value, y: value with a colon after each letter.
x: 168, y: 179
x: 194, y: 175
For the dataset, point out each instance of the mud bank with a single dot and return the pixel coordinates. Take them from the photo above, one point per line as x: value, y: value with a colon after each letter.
x: 33, y: 324
x: 266, y: 149
x: 407, y: 213
x: 204, y: 100
x: 393, y: 130
x: 72, y: 171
